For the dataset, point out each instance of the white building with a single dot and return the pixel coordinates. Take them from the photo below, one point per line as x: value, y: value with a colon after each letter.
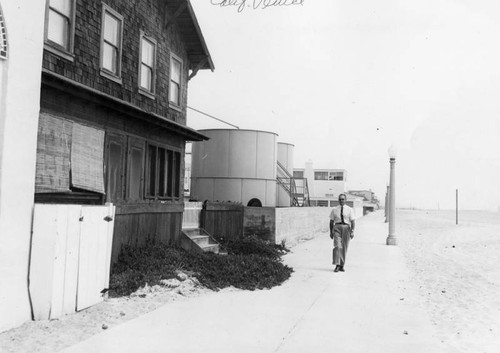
x: 20, y: 76
x: 325, y: 186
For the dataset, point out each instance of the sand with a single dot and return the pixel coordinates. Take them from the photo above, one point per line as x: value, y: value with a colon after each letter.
x: 457, y: 270
x: 52, y: 336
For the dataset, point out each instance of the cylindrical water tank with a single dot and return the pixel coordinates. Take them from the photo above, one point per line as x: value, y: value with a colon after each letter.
x: 285, y: 158
x: 235, y: 165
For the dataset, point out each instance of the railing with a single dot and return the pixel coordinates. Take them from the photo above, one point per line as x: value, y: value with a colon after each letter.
x: 296, y: 188
x: 303, y: 189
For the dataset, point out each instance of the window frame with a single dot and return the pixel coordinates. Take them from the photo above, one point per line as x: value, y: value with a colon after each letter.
x: 55, y: 48
x: 116, y: 77
x: 139, y: 145
x: 172, y: 173
x: 336, y: 176
x: 142, y: 90
x: 323, y: 173
x: 171, y: 103
x: 298, y: 174
x: 120, y: 140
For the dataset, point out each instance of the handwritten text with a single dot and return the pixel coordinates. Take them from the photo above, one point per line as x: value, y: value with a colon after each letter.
x: 255, y: 4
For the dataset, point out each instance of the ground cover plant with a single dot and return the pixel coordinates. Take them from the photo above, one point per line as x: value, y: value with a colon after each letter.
x: 250, y: 264
x: 253, y: 245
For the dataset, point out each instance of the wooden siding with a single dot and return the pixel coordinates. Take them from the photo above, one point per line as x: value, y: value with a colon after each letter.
x: 137, y: 224
x: 145, y: 15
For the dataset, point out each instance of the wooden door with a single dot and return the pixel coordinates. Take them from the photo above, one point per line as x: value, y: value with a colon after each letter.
x: 96, y: 235
x: 54, y: 260
x: 115, y: 167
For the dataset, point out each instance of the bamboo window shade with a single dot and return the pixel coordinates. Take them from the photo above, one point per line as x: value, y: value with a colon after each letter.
x: 87, y: 158
x: 53, y: 154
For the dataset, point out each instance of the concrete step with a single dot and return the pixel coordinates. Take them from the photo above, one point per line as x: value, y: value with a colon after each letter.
x: 211, y: 248
x: 201, y: 240
x: 193, y: 231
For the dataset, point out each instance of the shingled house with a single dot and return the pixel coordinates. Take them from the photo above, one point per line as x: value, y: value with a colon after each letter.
x: 112, y: 125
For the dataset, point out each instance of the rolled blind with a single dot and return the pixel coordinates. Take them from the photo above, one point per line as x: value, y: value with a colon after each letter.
x: 53, y: 154
x: 87, y: 158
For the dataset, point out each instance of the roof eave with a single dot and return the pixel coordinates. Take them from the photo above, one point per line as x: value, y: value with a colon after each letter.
x: 209, y: 64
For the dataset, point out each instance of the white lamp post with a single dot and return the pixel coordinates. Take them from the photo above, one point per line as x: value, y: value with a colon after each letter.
x: 391, y: 238
x: 386, y: 207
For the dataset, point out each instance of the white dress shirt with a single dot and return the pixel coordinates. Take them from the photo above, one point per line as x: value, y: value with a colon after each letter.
x: 348, y: 214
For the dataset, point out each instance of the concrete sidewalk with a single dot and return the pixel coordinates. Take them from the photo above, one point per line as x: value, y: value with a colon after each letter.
x: 372, y: 307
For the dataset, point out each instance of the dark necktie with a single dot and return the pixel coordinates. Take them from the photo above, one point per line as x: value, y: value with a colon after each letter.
x: 342, y: 214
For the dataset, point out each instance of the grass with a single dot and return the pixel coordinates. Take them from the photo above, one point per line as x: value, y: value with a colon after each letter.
x: 251, y: 264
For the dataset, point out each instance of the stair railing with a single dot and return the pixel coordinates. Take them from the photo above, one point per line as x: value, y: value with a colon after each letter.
x: 288, y: 183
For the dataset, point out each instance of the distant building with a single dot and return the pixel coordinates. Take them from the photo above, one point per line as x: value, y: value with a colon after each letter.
x: 325, y: 185
x: 370, y: 201
x: 367, y: 195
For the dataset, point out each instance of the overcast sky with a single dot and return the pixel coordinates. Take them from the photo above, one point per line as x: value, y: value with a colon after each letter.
x: 342, y: 80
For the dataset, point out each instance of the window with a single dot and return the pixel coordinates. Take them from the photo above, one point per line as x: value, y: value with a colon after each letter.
x: 163, y: 173
x: 322, y: 203
x: 147, y: 70
x: 111, y: 44
x: 135, y: 173
x: 69, y: 162
x: 336, y: 176
x: 175, y: 81
x: 320, y: 175
x: 60, y: 27
x: 115, y: 167
x: 299, y: 174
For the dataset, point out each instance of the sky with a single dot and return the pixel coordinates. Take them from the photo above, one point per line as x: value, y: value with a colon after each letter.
x: 343, y: 80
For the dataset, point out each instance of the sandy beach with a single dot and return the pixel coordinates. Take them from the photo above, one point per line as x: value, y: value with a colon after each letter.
x: 457, y: 271
x: 455, y: 268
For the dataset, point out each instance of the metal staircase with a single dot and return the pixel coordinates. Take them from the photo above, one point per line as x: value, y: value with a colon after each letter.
x: 296, y: 188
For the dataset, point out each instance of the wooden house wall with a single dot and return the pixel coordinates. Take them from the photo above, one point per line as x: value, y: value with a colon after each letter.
x: 137, y: 218
x: 145, y: 15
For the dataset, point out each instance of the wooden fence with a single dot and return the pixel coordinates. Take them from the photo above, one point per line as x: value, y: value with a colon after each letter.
x: 70, y: 257
x: 223, y: 220
x: 136, y: 224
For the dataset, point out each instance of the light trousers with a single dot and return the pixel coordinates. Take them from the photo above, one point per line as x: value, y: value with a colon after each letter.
x: 341, y: 238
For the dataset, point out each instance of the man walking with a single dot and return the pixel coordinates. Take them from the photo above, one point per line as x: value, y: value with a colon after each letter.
x: 341, y: 231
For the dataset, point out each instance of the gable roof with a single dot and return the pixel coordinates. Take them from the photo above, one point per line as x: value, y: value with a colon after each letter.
x: 182, y: 13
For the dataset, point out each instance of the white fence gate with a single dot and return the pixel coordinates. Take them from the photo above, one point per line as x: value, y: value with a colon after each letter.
x: 70, y: 257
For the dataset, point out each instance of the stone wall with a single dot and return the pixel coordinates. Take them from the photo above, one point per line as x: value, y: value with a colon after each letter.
x: 260, y: 221
x: 295, y: 224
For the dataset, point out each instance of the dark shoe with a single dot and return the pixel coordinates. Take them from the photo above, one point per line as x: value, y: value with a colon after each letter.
x: 341, y: 268
x: 336, y: 269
